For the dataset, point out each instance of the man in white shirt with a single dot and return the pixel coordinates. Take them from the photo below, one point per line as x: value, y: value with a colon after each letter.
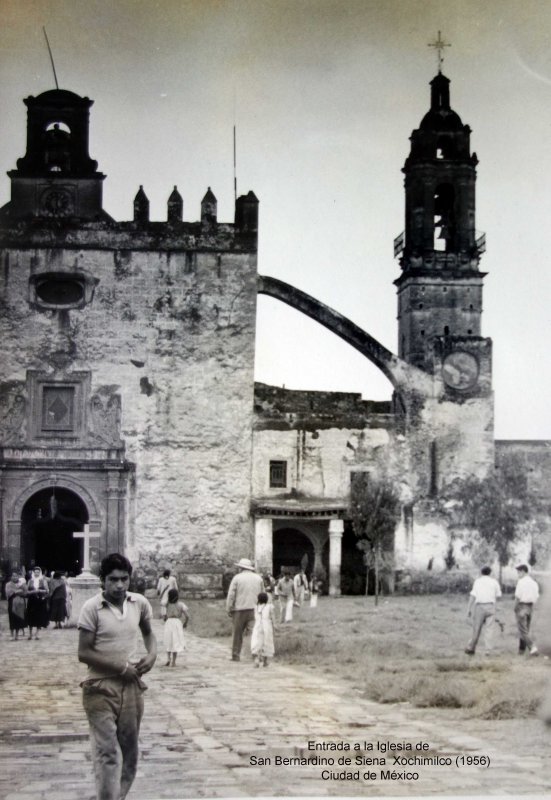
x: 482, y: 609
x: 527, y: 593
x: 300, y: 583
x: 165, y: 583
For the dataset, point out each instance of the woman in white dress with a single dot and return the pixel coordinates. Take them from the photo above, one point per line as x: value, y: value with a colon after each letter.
x: 176, y: 616
x: 262, y: 639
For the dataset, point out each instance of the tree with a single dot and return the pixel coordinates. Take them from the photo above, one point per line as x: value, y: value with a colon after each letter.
x: 496, y: 507
x: 374, y: 511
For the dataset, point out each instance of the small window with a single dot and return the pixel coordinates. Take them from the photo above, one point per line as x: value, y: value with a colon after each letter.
x: 278, y: 474
x: 60, y: 290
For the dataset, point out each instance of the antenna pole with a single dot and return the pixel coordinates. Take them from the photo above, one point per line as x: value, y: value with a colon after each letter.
x: 51, y: 57
x: 234, y: 165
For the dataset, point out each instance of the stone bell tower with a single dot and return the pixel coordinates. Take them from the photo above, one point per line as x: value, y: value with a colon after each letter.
x: 440, y: 288
x: 56, y: 178
x: 440, y: 294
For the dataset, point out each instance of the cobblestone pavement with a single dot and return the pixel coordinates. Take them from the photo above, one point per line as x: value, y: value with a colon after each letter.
x: 206, y: 718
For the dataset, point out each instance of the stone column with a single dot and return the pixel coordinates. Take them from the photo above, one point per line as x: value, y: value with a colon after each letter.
x: 115, y: 536
x: 14, y: 543
x: 263, y: 544
x: 336, y: 529
x: 83, y: 587
x: 318, y: 556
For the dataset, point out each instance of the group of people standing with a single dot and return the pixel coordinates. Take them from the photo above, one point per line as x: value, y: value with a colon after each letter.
x: 109, y: 625
x: 110, y: 622
x: 291, y: 591
x: 35, y: 602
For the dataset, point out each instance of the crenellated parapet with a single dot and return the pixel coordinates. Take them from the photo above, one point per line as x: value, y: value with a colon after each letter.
x: 135, y: 235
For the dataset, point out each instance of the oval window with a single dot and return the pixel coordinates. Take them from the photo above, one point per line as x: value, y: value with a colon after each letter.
x: 60, y: 291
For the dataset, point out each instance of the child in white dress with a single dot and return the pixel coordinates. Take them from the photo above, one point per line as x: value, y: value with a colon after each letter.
x: 176, y: 616
x: 262, y: 639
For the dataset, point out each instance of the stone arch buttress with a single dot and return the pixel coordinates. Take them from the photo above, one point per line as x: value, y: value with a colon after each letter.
x: 405, y: 379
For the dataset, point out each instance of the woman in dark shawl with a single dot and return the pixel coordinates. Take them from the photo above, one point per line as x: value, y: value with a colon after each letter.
x: 16, y: 592
x: 58, y: 600
x: 37, y: 602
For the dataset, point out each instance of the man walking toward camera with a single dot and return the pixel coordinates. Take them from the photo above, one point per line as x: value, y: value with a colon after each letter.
x: 112, y: 696
x: 300, y: 586
x: 482, y: 609
x: 527, y: 593
x: 241, y: 601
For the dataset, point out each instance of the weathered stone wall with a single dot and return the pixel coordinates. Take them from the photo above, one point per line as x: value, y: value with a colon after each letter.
x: 319, y: 462
x: 322, y: 436
x: 533, y: 458
x: 170, y: 330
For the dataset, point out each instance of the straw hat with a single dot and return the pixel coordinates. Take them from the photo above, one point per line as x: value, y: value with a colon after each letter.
x: 245, y: 563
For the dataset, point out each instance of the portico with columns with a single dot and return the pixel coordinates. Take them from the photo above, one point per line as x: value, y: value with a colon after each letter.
x: 310, y: 537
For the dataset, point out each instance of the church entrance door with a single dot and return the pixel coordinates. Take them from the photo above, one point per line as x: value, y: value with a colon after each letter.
x: 292, y: 549
x: 48, y: 521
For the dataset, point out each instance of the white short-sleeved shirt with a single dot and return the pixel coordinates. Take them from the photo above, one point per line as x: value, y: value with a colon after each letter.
x: 527, y: 590
x: 116, y: 631
x: 486, y: 589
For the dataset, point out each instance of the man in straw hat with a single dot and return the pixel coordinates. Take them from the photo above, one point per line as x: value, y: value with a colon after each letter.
x: 241, y: 601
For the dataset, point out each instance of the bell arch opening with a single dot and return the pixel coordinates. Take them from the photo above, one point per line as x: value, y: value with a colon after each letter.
x: 48, y: 520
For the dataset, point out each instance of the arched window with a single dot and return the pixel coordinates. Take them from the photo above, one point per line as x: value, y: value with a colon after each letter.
x: 444, y: 218
x: 57, y: 150
x: 444, y: 147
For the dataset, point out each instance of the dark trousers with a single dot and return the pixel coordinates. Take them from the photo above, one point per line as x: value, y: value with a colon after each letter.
x: 241, y: 620
x: 523, y: 613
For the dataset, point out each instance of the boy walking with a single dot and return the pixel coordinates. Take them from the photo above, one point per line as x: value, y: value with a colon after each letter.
x: 112, y: 697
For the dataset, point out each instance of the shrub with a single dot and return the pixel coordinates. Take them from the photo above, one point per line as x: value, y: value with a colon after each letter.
x: 429, y: 582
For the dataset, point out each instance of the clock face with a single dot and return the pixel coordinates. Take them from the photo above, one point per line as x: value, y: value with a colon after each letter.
x: 57, y: 203
x: 460, y: 370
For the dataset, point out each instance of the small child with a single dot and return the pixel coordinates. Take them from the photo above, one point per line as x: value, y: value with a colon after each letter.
x: 176, y: 616
x: 262, y: 639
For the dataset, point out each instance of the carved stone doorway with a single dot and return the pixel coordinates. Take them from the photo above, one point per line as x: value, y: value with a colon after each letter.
x: 48, y: 520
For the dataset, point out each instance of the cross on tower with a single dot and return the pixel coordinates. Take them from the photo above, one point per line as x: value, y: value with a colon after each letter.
x: 86, y: 535
x: 439, y: 44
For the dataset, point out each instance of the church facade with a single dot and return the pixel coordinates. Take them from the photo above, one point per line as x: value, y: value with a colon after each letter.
x: 127, y: 394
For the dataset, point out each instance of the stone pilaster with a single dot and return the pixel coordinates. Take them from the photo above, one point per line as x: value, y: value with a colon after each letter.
x: 336, y: 529
x: 263, y: 544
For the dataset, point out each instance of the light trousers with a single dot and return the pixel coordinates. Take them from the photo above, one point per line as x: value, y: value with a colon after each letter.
x: 286, y: 608
x: 114, y: 709
x: 484, y: 615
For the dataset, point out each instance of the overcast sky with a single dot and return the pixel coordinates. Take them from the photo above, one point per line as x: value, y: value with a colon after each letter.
x: 324, y: 96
